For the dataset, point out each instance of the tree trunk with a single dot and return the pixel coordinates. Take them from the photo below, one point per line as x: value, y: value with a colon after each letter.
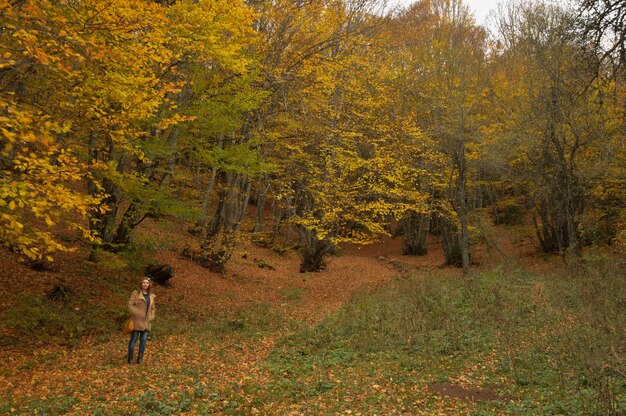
x: 461, y: 184
x: 204, y: 215
x: 130, y: 220
x: 450, y: 239
x: 220, y: 238
x: 459, y: 199
x: 104, y: 222
x: 313, y: 251
x: 260, y: 208
x: 560, y: 202
x: 213, y: 227
x: 493, y: 201
x: 415, y: 229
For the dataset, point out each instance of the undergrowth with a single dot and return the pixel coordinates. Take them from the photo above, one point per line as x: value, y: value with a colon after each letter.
x: 38, y: 320
x: 549, y: 344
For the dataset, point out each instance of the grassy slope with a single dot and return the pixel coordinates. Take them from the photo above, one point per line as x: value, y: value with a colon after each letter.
x: 506, y: 341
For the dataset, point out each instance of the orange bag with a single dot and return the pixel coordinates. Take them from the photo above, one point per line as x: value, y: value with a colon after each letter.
x: 129, y: 326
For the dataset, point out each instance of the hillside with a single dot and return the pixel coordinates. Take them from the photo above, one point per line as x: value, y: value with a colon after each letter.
x: 225, y: 344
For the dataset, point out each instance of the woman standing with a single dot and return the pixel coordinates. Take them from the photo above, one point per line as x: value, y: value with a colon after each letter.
x: 142, y: 308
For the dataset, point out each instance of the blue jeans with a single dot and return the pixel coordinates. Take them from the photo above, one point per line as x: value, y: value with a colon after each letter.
x: 142, y: 343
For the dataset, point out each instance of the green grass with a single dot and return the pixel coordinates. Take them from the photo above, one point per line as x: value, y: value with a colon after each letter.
x: 41, y: 320
x: 291, y: 293
x: 550, y: 344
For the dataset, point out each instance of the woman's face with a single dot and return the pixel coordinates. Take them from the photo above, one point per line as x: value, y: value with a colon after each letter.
x: 145, y: 285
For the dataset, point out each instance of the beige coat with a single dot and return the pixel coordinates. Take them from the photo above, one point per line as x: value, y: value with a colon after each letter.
x: 137, y: 308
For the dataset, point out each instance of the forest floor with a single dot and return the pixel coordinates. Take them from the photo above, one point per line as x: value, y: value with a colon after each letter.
x: 261, y: 338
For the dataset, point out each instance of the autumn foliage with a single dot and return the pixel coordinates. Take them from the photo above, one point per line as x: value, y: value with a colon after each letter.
x: 230, y: 134
x: 342, y: 116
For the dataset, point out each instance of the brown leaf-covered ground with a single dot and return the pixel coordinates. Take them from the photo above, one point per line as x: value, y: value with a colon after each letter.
x: 88, y: 373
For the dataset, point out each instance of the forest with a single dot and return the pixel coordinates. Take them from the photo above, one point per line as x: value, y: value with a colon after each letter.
x: 303, y: 126
x: 339, y: 116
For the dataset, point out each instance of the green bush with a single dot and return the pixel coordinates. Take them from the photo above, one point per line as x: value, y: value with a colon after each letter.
x: 108, y: 260
x: 599, y: 226
x: 512, y: 213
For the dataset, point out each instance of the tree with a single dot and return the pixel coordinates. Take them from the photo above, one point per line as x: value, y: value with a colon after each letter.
x: 111, y: 83
x: 212, y: 66
x: 560, y: 116
x: 335, y: 141
x: 604, y: 24
x: 446, y: 76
